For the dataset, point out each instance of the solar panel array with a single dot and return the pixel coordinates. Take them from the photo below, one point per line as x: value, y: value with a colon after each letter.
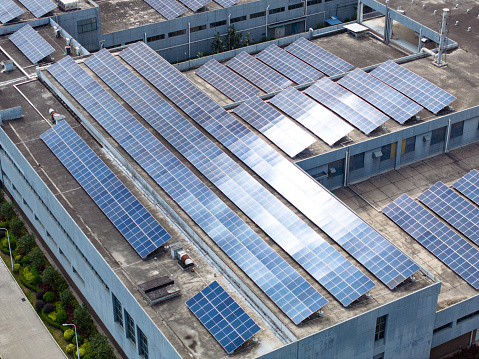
x: 226, y: 81
x: 9, y: 10
x: 223, y: 317
x: 170, y: 9
x: 195, y: 5
x: 286, y: 288
x: 453, y: 208
x: 370, y: 248
x: 288, y: 65
x: 380, y: 95
x: 129, y: 216
x: 315, y: 117
x: 347, y: 105
x: 39, y: 7
x: 448, y: 246
x: 469, y: 186
x: 413, y: 86
x: 300, y: 241
x: 31, y: 44
x: 317, y: 57
x: 277, y: 128
x: 258, y: 73
x: 227, y: 3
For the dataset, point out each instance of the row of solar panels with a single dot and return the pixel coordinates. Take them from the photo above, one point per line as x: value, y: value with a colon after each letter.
x: 9, y: 10
x: 437, y: 237
x: 171, y: 9
x: 31, y: 44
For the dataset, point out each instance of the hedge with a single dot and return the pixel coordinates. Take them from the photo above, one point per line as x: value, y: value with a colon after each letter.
x: 52, y: 322
x: 25, y: 282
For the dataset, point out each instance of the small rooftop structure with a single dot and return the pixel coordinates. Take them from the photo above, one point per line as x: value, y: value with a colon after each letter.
x: 159, y: 289
x: 356, y: 30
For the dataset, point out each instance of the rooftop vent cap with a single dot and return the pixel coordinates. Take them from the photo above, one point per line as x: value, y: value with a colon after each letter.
x: 377, y: 154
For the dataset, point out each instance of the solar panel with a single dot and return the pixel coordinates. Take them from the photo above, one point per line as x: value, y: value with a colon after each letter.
x: 277, y: 128
x: 227, y: 3
x: 39, y: 7
x: 258, y: 73
x: 195, y: 5
x: 8, y: 11
x: 300, y: 241
x: 453, y: 208
x: 413, y: 86
x: 223, y: 317
x: 380, y: 95
x: 288, y: 65
x: 449, y: 247
x: 128, y: 215
x: 317, y: 57
x: 286, y: 287
x: 347, y: 105
x: 226, y: 81
x: 31, y: 44
x: 170, y: 9
x: 469, y: 186
x: 369, y: 247
x: 315, y: 117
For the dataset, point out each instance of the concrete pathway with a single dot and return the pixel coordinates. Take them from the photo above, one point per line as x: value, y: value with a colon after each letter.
x: 22, y: 333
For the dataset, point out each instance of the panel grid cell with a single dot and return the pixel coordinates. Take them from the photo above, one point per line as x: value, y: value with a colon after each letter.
x: 288, y: 65
x: 413, y: 86
x: 127, y: 214
x: 31, y: 44
x: 229, y: 324
x: 347, y: 105
x: 318, y: 58
x: 448, y: 246
x: 312, y: 115
x: 9, y: 10
x: 39, y: 7
x: 377, y: 93
x: 195, y: 5
x: 170, y: 9
x: 469, y: 186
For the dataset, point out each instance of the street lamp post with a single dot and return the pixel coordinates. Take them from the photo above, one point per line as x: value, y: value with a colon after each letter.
x: 76, y: 337
x: 9, y: 248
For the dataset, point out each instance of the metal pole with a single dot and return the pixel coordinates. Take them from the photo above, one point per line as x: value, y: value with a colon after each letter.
x: 442, y: 37
x: 346, y: 168
x: 419, y: 46
x: 189, y: 41
x: 448, y: 134
x: 9, y: 248
x: 229, y: 32
x: 306, y: 15
x: 266, y: 26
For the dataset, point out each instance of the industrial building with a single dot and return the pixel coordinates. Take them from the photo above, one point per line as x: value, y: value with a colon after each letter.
x: 261, y: 202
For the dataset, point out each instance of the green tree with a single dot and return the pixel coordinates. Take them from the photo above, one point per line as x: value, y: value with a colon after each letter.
x: 37, y: 258
x: 234, y: 38
x: 26, y: 243
x: 217, y: 44
x: 51, y: 277
x: 66, y: 297
x: 248, y: 40
x: 16, y: 226
x: 100, y: 347
x: 82, y: 318
x: 6, y: 210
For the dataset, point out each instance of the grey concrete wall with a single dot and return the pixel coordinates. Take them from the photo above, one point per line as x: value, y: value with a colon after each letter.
x: 10, y: 113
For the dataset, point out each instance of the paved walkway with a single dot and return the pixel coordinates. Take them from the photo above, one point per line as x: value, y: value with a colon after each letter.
x: 22, y: 333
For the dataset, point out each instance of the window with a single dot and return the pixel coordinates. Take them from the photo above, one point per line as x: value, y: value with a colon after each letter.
x: 457, y: 129
x: 142, y: 343
x: 86, y: 25
x: 39, y: 222
x: 198, y: 28
x: 380, y: 328
x: 130, y: 327
x: 314, y: 2
x: 78, y: 275
x: 336, y: 168
x: 389, y: 151
x: 296, y: 6
x: 64, y: 256
x: 117, y: 311
x: 438, y: 135
x: 442, y: 327
x: 49, y: 236
x: 218, y: 23
x: 356, y: 162
x: 408, y: 145
x: 155, y: 38
x: 257, y: 14
x: 176, y: 33
x: 28, y: 207
x: 238, y: 19
x: 277, y: 10
x: 467, y: 316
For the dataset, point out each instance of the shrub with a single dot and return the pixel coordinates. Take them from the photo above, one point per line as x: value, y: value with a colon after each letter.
x: 48, y: 308
x: 3, y: 224
x: 49, y: 297
x: 31, y: 276
x: 53, y: 316
x: 25, y: 260
x: 70, y: 347
x: 39, y: 304
x: 61, y: 316
x: 69, y: 333
x: 16, y: 226
x: 26, y: 243
x: 82, y: 318
x: 37, y: 258
x: 66, y: 297
x: 81, y: 352
x: 18, y: 258
x: 16, y: 267
x: 40, y: 294
x: 26, y: 271
x: 6, y: 210
x: 101, y: 347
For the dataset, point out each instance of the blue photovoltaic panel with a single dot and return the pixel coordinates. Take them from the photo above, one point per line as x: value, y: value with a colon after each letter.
x: 129, y: 216
x: 347, y: 105
x: 170, y: 9
x: 300, y: 241
x: 288, y: 65
x: 195, y: 5
x: 9, y: 10
x: 469, y: 186
x: 258, y: 73
x: 223, y: 317
x: 312, y: 115
x: 380, y: 95
x: 226, y: 3
x: 33, y: 46
x: 286, y: 287
x: 317, y: 57
x: 226, y: 81
x: 453, y: 250
x: 277, y: 128
x: 413, y: 86
x: 453, y: 208
x: 39, y: 7
x: 369, y: 247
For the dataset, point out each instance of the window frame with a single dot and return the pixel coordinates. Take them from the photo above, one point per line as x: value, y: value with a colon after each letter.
x: 457, y: 129
x: 85, y: 24
x: 356, y: 161
x: 117, y: 311
x: 380, y: 331
x: 130, y: 327
x: 438, y: 135
x: 142, y: 343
